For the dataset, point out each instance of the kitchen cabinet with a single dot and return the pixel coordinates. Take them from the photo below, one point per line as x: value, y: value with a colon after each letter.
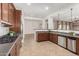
x: 5, y: 12
x: 17, y: 21
x: 53, y: 38
x: 77, y: 46
x: 0, y: 11
x: 42, y: 36
x: 15, y: 50
x: 18, y: 46
x: 11, y: 13
x: 8, y: 14
x: 12, y: 16
x: 62, y: 41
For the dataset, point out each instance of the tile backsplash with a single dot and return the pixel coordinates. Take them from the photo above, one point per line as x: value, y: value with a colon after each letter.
x: 3, y: 30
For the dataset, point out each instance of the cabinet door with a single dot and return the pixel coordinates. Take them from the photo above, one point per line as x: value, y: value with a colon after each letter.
x: 18, y: 46
x: 13, y: 51
x: 51, y: 37
x: 18, y: 20
x: 0, y: 11
x: 5, y: 12
x: 42, y: 37
x: 55, y: 38
x: 11, y: 14
x: 77, y: 46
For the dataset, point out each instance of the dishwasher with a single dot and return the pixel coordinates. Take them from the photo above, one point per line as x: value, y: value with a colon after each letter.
x: 72, y: 44
x: 62, y: 41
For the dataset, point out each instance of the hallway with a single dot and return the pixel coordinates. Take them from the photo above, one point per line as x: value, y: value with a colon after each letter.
x: 32, y: 48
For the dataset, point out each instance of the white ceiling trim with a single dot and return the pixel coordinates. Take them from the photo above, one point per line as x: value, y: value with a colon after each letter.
x: 33, y: 18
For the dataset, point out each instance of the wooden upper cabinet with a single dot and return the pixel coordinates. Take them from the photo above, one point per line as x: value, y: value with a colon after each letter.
x: 18, y: 20
x: 11, y: 14
x: 5, y: 12
x: 0, y: 11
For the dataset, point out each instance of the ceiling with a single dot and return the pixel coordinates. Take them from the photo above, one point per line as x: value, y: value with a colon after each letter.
x: 38, y: 9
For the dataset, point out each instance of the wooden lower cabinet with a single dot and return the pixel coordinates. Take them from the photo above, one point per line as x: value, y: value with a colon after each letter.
x: 46, y: 36
x: 53, y: 38
x: 18, y: 46
x: 15, y: 51
x: 77, y: 46
x: 42, y: 36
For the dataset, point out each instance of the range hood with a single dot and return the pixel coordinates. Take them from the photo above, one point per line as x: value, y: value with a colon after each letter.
x: 5, y: 24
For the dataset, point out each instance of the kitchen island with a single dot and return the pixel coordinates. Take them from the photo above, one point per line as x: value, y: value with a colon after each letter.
x: 62, y: 38
x: 11, y: 49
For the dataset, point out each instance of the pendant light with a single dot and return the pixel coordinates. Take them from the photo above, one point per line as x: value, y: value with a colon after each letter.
x: 71, y: 14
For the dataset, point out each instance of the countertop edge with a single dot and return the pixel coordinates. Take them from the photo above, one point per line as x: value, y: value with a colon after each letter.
x: 13, y: 45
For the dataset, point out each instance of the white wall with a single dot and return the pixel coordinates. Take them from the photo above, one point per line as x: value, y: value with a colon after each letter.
x: 50, y: 23
x: 31, y: 25
x: 3, y: 30
x: 44, y: 25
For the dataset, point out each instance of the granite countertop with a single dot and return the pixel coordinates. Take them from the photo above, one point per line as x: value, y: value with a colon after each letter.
x: 66, y: 31
x: 61, y: 32
x: 42, y: 30
x: 4, y: 48
x: 65, y: 34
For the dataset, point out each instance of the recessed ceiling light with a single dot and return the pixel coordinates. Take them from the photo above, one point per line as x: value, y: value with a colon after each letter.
x: 28, y: 4
x: 46, y: 8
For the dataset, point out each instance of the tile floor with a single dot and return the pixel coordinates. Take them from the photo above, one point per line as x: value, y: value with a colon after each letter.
x: 33, y: 48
